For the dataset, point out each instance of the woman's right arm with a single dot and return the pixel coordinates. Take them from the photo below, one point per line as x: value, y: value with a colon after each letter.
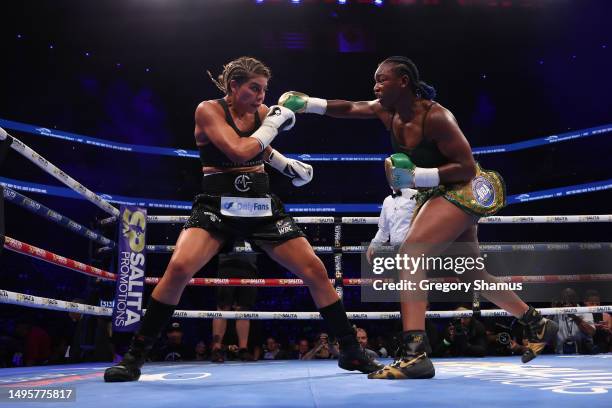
x: 302, y: 103
x: 211, y: 125
x: 353, y: 110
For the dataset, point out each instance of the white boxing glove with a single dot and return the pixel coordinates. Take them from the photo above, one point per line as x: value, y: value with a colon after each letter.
x: 279, y: 117
x: 300, y: 173
x: 277, y: 120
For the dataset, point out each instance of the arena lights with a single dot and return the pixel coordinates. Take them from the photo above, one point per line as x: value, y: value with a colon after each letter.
x: 341, y: 1
x: 378, y: 3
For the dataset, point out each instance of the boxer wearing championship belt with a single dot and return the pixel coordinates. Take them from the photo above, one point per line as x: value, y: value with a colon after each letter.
x: 436, y: 158
x: 236, y: 203
x: 483, y: 195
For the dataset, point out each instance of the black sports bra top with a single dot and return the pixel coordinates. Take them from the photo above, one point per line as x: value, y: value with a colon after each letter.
x: 211, y: 156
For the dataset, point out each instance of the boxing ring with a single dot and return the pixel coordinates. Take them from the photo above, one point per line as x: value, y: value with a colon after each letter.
x: 564, y: 380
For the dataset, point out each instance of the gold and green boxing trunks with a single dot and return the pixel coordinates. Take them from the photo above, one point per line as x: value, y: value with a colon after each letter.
x: 483, y: 196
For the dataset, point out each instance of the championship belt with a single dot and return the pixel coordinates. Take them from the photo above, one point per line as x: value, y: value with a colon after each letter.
x: 483, y: 196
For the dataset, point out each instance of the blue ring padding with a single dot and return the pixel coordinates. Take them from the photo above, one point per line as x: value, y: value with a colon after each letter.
x: 314, y: 157
x: 561, y: 192
x: 295, y: 208
x: 45, y: 212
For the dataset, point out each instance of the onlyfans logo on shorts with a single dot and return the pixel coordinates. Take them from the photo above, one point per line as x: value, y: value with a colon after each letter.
x: 246, y: 207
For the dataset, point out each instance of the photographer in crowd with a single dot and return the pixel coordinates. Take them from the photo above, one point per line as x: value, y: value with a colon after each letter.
x: 576, y: 331
x: 465, y: 337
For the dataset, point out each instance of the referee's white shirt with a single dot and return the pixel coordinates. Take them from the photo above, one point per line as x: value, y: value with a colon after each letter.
x: 395, y: 217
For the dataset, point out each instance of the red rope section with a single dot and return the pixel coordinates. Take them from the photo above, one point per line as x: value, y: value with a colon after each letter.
x: 35, y: 252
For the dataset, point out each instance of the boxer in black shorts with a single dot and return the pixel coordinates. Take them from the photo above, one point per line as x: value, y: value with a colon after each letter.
x: 236, y: 203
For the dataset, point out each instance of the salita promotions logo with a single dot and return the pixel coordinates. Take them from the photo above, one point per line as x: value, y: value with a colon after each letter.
x: 130, y: 279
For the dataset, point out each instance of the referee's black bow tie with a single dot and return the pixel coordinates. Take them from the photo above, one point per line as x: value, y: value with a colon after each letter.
x: 396, y: 193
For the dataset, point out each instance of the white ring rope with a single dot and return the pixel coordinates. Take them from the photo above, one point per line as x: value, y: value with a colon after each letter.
x: 181, y: 219
x: 174, y: 219
x: 518, y: 219
x: 54, y: 171
x: 21, y: 299
x: 514, y: 219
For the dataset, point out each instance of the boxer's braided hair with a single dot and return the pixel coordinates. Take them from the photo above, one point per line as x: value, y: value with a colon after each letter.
x: 240, y: 70
x: 405, y: 66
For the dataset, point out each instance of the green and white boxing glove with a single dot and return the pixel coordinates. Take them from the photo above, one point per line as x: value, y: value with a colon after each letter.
x: 302, y: 103
x: 299, y: 173
x: 402, y: 173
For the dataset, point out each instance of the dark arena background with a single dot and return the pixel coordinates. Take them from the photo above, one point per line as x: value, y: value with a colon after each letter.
x: 106, y: 92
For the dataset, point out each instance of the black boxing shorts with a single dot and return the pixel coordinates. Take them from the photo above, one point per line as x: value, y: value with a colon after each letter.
x: 240, y: 206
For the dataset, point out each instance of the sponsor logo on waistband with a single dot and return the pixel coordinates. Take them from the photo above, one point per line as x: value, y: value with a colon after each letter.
x: 246, y: 206
x: 243, y: 183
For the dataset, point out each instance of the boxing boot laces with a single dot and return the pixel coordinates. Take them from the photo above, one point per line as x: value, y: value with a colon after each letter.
x: 540, y: 332
x: 412, y: 362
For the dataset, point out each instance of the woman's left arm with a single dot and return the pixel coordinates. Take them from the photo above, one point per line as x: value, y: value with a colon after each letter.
x: 442, y: 128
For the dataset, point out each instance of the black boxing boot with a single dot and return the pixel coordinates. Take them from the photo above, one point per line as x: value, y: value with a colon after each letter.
x: 353, y: 356
x: 412, y: 362
x: 157, y: 316
x: 540, y: 332
x: 129, y: 367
